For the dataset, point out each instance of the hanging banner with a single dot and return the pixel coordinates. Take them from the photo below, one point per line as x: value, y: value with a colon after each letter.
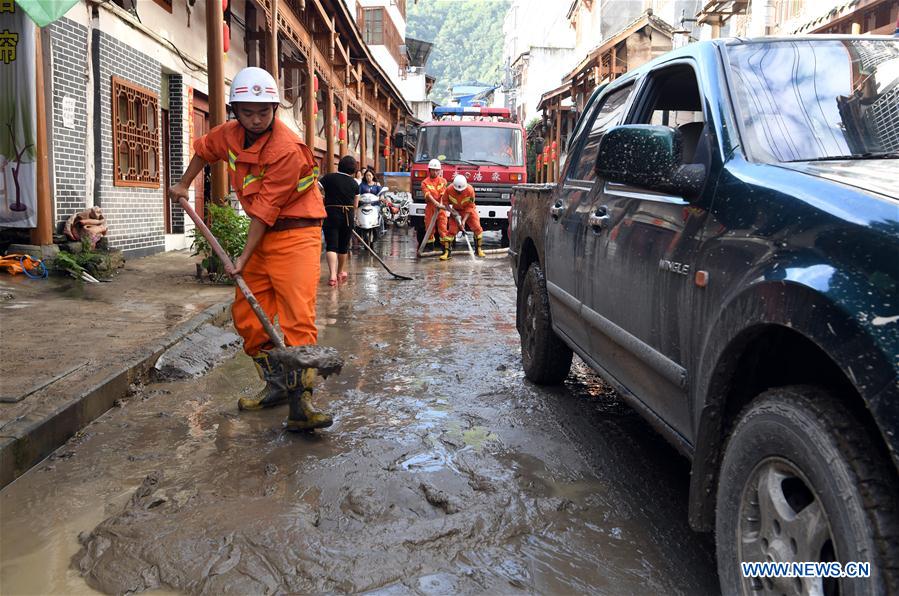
x: 18, y: 119
x: 43, y: 12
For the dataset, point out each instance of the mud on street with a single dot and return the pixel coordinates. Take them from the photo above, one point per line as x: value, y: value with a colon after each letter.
x: 445, y: 471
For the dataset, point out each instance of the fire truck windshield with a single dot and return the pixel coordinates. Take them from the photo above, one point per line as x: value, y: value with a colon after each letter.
x: 478, y: 145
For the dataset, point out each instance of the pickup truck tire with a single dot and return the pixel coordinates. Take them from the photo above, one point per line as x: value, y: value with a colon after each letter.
x: 546, y: 359
x: 802, y: 481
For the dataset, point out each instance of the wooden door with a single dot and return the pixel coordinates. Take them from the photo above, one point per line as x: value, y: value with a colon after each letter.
x: 200, y: 128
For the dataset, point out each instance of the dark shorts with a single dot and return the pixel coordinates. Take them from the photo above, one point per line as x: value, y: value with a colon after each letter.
x: 337, y: 232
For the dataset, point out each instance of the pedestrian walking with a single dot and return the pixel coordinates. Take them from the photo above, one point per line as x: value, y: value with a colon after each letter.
x: 341, y: 201
x: 274, y: 174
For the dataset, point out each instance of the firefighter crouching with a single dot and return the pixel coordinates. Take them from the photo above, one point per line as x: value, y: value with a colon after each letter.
x: 275, y: 175
x: 459, y: 199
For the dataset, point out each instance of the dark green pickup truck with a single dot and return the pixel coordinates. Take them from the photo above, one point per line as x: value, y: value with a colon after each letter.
x: 723, y: 248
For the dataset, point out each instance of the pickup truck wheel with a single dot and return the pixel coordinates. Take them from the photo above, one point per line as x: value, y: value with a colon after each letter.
x: 802, y: 481
x: 546, y: 359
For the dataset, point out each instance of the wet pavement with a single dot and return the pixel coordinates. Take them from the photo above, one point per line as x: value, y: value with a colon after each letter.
x: 445, y: 471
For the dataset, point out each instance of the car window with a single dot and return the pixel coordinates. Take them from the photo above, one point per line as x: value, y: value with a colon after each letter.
x: 609, y: 115
x: 674, y: 101
x: 817, y: 99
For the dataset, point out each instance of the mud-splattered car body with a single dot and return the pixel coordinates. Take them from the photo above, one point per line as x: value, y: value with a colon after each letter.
x: 695, y: 298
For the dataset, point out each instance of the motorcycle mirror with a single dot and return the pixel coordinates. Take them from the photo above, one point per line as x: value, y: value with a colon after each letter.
x: 383, y: 190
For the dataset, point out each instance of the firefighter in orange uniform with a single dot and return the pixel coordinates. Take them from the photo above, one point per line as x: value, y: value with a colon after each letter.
x: 459, y: 198
x: 274, y: 175
x: 433, y: 187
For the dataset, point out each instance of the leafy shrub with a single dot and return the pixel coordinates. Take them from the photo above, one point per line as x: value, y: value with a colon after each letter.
x: 230, y: 228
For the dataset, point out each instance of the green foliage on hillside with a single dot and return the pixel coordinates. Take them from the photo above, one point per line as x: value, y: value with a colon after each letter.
x: 468, y: 40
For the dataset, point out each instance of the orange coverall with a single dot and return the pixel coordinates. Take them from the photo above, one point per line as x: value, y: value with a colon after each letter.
x: 275, y: 179
x: 463, y: 202
x: 434, y: 188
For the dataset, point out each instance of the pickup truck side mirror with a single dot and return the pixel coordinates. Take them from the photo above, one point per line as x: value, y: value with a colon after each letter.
x: 650, y: 157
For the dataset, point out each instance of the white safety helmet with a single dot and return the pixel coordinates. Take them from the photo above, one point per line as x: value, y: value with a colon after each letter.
x: 460, y: 182
x: 254, y: 85
x: 434, y: 164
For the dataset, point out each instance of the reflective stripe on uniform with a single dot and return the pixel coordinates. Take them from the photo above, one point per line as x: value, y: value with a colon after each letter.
x: 250, y: 178
x: 305, y: 183
x: 232, y: 160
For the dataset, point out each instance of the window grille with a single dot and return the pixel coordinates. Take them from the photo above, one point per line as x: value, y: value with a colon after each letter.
x: 135, y: 125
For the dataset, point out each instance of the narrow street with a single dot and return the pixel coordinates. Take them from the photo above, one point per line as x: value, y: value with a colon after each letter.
x: 445, y: 471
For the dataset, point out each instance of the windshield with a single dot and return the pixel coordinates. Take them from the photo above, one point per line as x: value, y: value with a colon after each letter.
x: 477, y: 144
x: 817, y: 99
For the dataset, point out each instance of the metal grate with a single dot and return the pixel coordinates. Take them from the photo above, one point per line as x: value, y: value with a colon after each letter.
x: 135, y: 124
x: 884, y: 118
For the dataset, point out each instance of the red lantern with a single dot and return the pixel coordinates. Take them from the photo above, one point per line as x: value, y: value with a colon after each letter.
x: 386, y: 151
x: 224, y: 5
x: 226, y: 36
x: 314, y: 109
x: 315, y: 83
x: 341, y: 116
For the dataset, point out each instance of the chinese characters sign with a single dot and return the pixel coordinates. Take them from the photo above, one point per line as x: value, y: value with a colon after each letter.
x: 18, y: 167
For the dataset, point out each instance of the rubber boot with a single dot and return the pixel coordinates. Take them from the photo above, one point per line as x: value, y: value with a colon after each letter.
x: 447, y: 251
x: 302, y: 415
x: 275, y: 391
x: 478, y: 249
x: 429, y: 246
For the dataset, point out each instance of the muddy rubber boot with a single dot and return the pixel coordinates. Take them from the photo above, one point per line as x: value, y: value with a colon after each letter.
x: 302, y: 416
x: 447, y: 251
x: 478, y: 249
x: 275, y: 391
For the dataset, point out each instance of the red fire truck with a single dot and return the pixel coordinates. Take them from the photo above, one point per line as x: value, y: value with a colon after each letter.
x: 486, y: 147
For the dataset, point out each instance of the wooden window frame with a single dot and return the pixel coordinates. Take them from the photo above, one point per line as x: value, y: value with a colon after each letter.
x: 136, y: 134
x: 368, y: 24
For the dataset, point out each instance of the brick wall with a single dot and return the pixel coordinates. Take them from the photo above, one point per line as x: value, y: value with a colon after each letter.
x: 135, y: 215
x: 68, y: 43
x: 178, y: 149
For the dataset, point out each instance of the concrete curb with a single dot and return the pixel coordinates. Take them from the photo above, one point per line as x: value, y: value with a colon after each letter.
x: 25, y: 442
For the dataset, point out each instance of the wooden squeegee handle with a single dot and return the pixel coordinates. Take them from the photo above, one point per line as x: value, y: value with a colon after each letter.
x: 238, y: 279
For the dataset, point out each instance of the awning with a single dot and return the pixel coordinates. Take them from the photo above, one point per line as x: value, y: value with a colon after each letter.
x: 418, y: 51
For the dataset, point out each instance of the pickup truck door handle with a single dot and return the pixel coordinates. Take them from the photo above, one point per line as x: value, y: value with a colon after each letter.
x: 599, y: 220
x: 556, y: 210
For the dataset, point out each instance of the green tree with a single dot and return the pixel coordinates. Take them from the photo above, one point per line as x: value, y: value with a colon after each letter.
x: 467, y: 37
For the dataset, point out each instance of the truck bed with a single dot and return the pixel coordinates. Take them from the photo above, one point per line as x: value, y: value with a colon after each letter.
x: 527, y: 222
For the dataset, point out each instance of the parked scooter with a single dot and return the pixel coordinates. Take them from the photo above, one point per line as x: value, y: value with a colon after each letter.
x: 369, y: 221
x: 395, y: 208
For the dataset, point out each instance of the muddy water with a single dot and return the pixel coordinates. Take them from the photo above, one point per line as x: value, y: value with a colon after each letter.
x: 444, y: 471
